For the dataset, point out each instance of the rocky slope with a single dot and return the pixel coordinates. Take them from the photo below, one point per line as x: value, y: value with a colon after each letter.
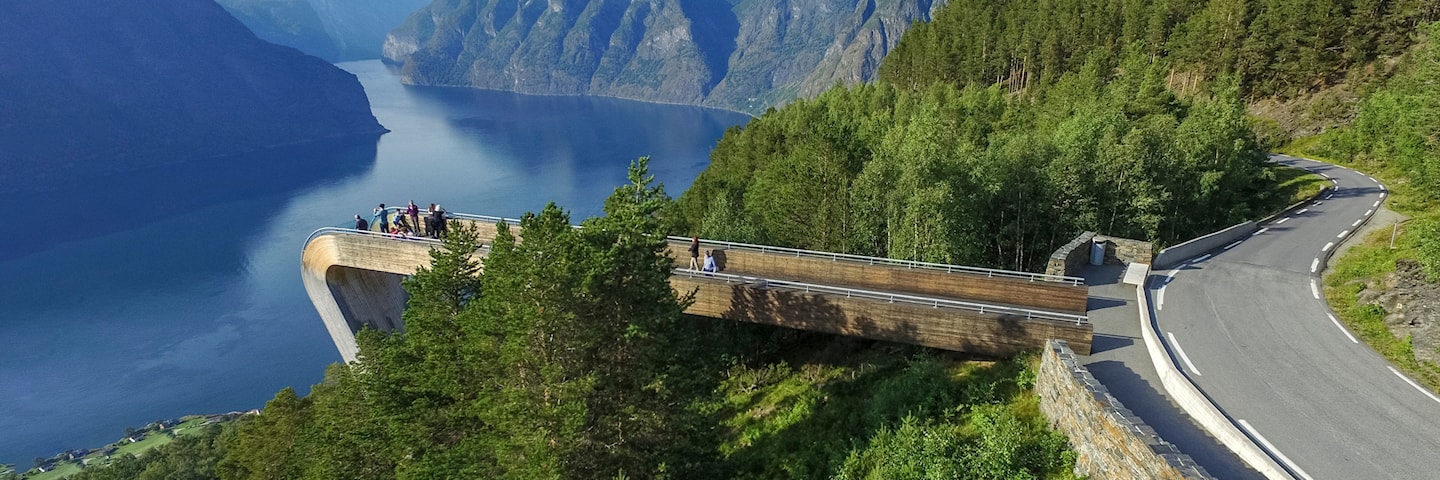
x: 98, y: 87
x: 335, y: 30
x: 1411, y: 305
x: 743, y: 55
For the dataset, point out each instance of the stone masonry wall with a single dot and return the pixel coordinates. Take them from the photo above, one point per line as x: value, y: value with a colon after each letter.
x: 1127, y: 251
x: 1069, y: 259
x: 1111, y: 442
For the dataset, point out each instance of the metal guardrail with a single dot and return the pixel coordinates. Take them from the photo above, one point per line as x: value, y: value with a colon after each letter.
x: 807, y: 287
x: 434, y: 242
x: 886, y: 296
x: 988, y: 272
x: 802, y: 253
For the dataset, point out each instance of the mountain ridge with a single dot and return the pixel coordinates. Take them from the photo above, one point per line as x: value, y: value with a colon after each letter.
x: 742, y: 55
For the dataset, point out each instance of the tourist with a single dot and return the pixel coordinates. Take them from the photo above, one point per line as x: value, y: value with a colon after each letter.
x: 361, y: 224
x: 709, y: 262
x: 400, y: 220
x: 383, y: 218
x: 694, y: 253
x: 440, y: 226
x: 414, y: 212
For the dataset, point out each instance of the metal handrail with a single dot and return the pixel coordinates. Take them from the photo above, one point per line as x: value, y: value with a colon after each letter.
x: 806, y: 287
x: 350, y: 231
x: 988, y: 272
x: 891, y: 297
x: 913, y: 264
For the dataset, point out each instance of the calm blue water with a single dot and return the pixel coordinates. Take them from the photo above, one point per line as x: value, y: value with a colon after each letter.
x: 176, y: 291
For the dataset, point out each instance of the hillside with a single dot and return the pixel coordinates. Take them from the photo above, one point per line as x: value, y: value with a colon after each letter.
x: 741, y: 55
x: 96, y: 88
x: 335, y: 30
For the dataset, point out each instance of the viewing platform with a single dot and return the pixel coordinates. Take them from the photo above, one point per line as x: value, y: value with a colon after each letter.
x: 354, y: 279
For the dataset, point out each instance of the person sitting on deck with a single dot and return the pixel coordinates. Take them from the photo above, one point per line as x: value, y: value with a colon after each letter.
x: 361, y: 224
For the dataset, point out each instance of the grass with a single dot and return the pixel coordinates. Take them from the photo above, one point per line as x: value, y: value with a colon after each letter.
x: 188, y: 427
x: 1293, y: 185
x: 63, y: 470
x: 1369, y: 261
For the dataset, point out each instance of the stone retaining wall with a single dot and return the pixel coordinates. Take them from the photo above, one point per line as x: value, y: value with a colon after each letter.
x: 1111, y: 442
x: 1127, y: 251
x: 1072, y: 258
x: 1069, y: 259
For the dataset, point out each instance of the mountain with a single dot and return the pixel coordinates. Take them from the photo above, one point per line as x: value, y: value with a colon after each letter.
x: 92, y: 88
x: 744, y: 55
x: 335, y: 30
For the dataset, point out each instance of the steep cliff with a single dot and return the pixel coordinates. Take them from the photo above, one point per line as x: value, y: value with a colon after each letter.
x: 98, y: 87
x: 335, y: 30
x: 743, y: 55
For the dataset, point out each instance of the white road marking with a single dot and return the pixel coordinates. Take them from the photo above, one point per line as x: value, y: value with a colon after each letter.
x: 1376, y: 204
x: 1323, y: 174
x: 1342, y: 328
x: 1268, y: 446
x: 1334, y: 181
x: 1317, y: 203
x: 1343, y: 234
x: 1327, y: 197
x: 1314, y: 290
x: 1314, y: 264
x: 1160, y: 298
x: 1382, y: 187
x: 1357, y: 223
x: 1181, y: 351
x: 1371, y: 178
x: 1382, y: 194
x: 1230, y: 246
x: 1283, y: 220
x: 1260, y: 231
x: 1201, y: 258
x: 1368, y: 212
x: 1413, y: 384
x: 1327, y: 247
x: 1303, y: 210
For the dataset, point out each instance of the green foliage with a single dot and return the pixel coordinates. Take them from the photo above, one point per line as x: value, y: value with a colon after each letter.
x: 881, y: 414
x: 1427, y: 249
x: 974, y: 176
x: 1273, y: 47
x: 189, y: 457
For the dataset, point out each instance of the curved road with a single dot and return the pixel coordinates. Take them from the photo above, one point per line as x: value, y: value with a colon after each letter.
x: 1255, y: 334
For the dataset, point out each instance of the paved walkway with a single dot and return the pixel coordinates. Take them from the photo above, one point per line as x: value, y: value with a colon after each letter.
x: 1119, y: 360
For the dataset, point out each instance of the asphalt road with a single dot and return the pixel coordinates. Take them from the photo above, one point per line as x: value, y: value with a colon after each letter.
x: 1258, y: 338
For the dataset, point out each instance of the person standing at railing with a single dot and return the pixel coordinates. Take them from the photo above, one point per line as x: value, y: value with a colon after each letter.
x: 413, y: 211
x: 431, y: 230
x: 361, y: 224
x: 694, y: 253
x: 382, y: 218
x: 709, y: 262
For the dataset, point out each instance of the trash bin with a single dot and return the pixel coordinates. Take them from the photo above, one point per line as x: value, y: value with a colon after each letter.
x: 1097, y: 252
